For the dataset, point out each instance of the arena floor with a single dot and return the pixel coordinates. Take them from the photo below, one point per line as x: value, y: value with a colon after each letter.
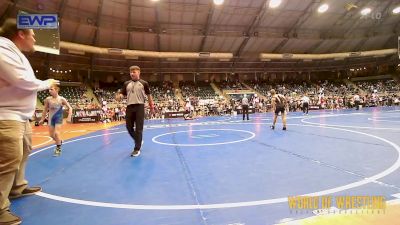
x: 216, y: 170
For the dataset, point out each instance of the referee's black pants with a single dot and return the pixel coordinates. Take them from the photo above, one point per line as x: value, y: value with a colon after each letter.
x: 357, y: 104
x: 305, y: 107
x: 134, y: 123
x: 245, y: 110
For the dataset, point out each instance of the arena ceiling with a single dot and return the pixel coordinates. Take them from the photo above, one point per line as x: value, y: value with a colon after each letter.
x: 244, y: 28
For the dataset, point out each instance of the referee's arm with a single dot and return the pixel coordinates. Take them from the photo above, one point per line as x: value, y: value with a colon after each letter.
x: 121, y: 93
x: 149, y: 97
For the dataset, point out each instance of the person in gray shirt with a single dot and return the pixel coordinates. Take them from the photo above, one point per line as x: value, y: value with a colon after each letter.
x: 135, y: 90
x: 245, y: 106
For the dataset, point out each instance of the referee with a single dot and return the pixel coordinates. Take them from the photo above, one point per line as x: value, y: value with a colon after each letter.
x: 357, y: 101
x: 305, y: 103
x: 136, y: 90
x: 245, y: 106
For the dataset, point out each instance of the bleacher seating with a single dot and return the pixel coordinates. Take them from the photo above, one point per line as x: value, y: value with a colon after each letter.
x: 379, y: 86
x: 73, y: 95
x: 200, y: 89
x: 231, y: 85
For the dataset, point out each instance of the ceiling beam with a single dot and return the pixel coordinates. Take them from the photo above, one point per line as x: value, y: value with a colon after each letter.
x: 315, y: 46
x: 252, y: 26
x: 158, y: 32
x: 97, y: 23
x: 359, y: 18
x: 360, y: 44
x: 250, y: 29
x: 206, y: 30
x: 300, y: 21
x: 396, y: 28
x: 395, y: 33
x: 378, y: 22
x: 207, y: 25
x: 210, y: 67
x: 392, y: 42
x: 346, y: 17
x: 158, y: 28
x: 339, y: 21
x: 97, y: 31
x: 61, y: 10
x: 128, y: 46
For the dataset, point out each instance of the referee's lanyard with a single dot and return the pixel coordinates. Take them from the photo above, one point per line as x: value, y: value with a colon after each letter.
x: 134, y: 85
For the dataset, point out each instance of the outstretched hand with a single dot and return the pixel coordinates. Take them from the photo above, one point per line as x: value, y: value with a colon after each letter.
x: 119, y: 96
x: 53, y: 82
x: 151, y: 108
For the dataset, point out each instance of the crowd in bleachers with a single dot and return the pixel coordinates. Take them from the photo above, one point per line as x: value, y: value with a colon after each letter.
x: 332, y: 94
x: 200, y: 89
x: 380, y: 86
x: 73, y: 94
x: 106, y: 94
x: 231, y: 85
x: 204, y: 101
x: 164, y: 97
x: 335, y: 88
x: 162, y: 91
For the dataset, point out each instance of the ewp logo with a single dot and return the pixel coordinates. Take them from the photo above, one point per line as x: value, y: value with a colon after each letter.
x: 37, y: 21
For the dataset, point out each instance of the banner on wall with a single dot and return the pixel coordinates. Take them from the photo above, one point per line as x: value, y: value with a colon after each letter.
x: 86, y: 116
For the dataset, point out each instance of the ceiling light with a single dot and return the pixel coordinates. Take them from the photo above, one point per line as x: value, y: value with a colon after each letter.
x: 396, y: 10
x: 218, y: 2
x: 323, y: 8
x: 366, y: 11
x: 274, y: 3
